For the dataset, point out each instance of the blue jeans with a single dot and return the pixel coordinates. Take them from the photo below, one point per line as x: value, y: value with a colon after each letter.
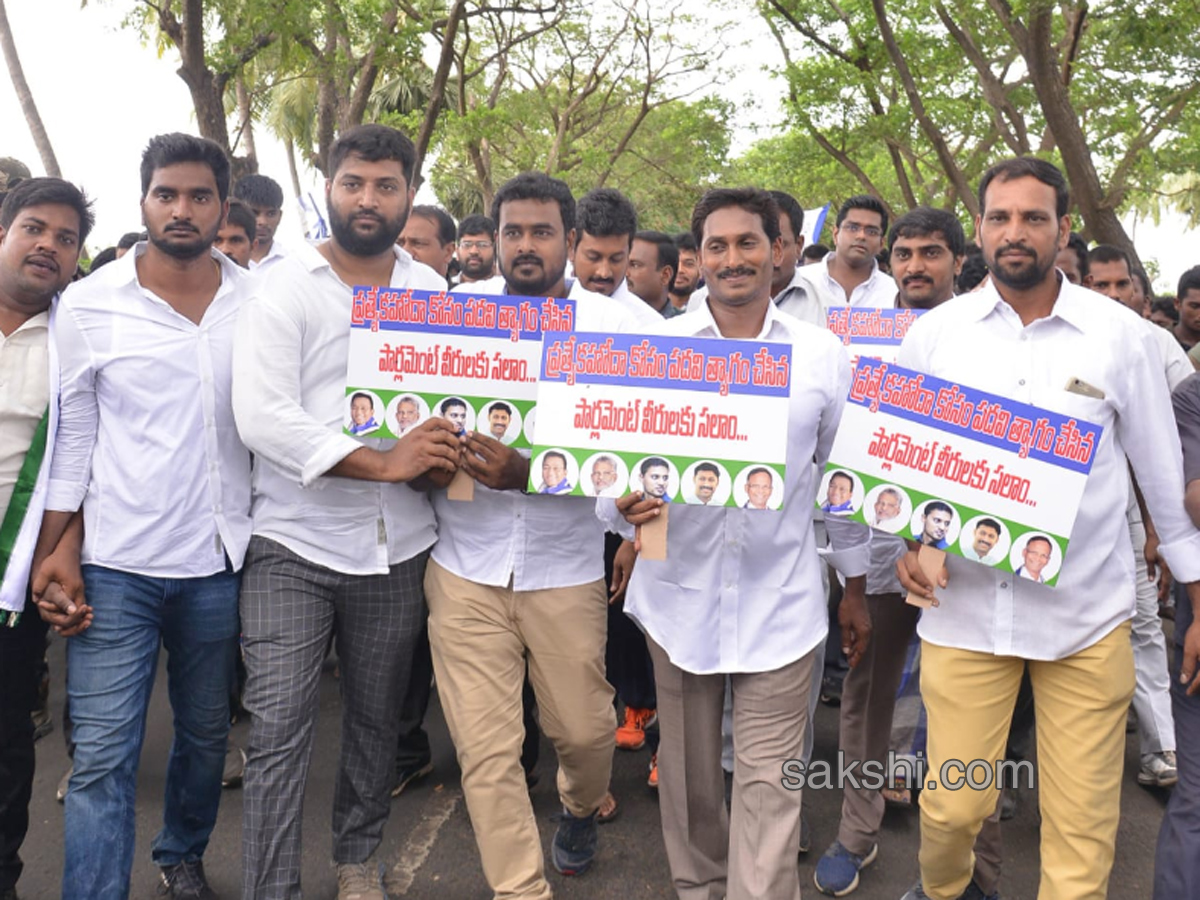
x: 111, y: 669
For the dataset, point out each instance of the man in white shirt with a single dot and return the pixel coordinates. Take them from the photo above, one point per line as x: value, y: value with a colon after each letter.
x: 605, y: 224
x: 1109, y: 273
x: 739, y: 593
x: 146, y: 445
x: 342, y: 528
x: 518, y: 580
x: 43, y: 224
x: 264, y: 198
x: 850, y: 276
x: 1027, y: 335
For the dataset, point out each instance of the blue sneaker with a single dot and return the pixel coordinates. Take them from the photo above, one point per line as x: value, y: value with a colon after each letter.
x: 837, y: 871
x: 574, y: 845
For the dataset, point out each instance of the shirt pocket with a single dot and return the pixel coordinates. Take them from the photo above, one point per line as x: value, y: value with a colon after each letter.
x: 27, y: 383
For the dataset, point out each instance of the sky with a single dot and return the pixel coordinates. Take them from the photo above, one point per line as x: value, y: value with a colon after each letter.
x: 102, y: 94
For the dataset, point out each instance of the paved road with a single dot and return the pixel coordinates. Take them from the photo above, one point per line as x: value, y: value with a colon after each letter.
x: 429, y: 835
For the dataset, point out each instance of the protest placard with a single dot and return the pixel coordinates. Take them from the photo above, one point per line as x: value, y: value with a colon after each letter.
x: 470, y: 358
x: 869, y: 332
x: 988, y: 478
x: 691, y: 420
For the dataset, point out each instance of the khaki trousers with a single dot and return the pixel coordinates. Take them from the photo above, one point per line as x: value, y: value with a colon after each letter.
x: 1080, y: 703
x: 864, y: 732
x: 482, y: 638
x: 750, y: 852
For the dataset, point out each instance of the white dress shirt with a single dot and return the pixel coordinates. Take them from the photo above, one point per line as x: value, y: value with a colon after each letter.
x: 799, y: 299
x: 638, y: 309
x: 289, y: 394
x: 740, y: 589
x: 146, y: 440
x: 877, y: 292
x: 978, y: 340
x: 24, y: 396
x: 274, y: 255
x: 534, y: 541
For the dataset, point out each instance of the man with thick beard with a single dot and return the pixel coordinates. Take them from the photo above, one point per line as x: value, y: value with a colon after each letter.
x: 341, y: 530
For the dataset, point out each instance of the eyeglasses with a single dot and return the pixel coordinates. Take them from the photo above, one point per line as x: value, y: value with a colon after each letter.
x: 872, y: 231
x: 475, y: 245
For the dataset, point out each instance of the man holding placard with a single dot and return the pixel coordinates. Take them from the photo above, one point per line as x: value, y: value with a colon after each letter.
x: 518, y: 580
x: 1034, y: 338
x: 739, y: 593
x: 340, y: 535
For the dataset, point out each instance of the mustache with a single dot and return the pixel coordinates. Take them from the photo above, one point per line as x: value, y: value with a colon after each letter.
x: 914, y: 279
x: 735, y: 271
x: 1015, y: 248
x: 527, y: 260
x: 43, y: 259
x: 183, y: 226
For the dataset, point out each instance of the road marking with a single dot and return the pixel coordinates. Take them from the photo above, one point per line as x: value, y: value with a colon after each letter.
x: 400, y: 877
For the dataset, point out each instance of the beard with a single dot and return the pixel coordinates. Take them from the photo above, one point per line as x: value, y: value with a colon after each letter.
x: 1027, y: 273
x: 197, y: 246
x: 372, y: 243
x: 476, y: 267
x: 537, y: 284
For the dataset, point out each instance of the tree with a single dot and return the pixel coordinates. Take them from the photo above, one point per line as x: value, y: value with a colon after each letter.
x: 25, y: 96
x: 914, y: 101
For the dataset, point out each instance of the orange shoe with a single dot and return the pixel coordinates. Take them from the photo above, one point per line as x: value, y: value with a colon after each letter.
x: 632, y: 734
x: 653, y: 779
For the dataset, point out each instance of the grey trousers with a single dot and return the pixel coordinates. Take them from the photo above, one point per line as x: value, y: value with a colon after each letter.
x: 748, y: 853
x: 865, y: 726
x: 290, y: 607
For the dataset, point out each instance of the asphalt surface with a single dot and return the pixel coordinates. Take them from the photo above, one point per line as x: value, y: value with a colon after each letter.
x: 430, y: 847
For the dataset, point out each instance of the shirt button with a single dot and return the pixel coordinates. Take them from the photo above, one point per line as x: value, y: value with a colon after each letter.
x: 1021, y: 382
x: 1004, y: 584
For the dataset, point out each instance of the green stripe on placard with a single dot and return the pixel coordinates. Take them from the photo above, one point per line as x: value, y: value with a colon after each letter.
x: 965, y: 514
x: 387, y: 427
x: 733, y: 466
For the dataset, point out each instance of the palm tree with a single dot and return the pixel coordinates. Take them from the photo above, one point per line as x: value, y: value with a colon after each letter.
x: 21, y: 86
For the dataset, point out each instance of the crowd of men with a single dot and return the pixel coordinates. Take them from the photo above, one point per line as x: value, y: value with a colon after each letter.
x: 174, y: 473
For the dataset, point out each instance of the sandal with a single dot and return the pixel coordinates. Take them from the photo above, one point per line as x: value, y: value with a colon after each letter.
x: 609, y: 809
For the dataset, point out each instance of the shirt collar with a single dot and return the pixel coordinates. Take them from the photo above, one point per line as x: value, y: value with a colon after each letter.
x: 828, y: 258
x: 126, y: 267
x: 1071, y: 305
x: 313, y: 259
x: 702, y: 318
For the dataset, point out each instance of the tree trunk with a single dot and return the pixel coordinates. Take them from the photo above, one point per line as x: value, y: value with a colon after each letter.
x: 438, y: 94
x: 25, y: 96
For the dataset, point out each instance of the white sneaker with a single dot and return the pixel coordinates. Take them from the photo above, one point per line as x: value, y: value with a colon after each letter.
x: 359, y: 881
x: 1158, y: 769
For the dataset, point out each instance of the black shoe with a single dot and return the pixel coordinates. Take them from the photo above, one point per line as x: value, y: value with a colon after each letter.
x: 405, y: 775
x: 185, y: 881
x: 42, y: 726
x: 831, y: 690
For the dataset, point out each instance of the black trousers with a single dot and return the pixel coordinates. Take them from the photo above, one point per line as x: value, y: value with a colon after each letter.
x: 22, y: 649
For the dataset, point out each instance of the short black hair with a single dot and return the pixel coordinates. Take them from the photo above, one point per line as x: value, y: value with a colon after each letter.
x: 974, y: 270
x: 451, y: 403
x: 816, y: 252
x: 685, y: 241
x: 557, y: 454
x: 1140, y: 274
x: 1041, y: 537
x: 934, y: 505
x: 1108, y: 253
x: 129, y: 238
x: 39, y: 191
x: 500, y: 405
x: 442, y: 219
x: 758, y: 469
x: 706, y: 467
x: 925, y: 221
x: 989, y: 523
x: 1077, y: 245
x: 867, y: 202
x: 259, y: 190
x: 537, y: 186
x: 789, y: 206
x: 109, y: 254
x: 752, y: 200
x: 374, y: 143
x: 174, y: 148
x: 605, y: 212
x: 477, y: 225
x: 668, y: 253
x: 1028, y: 167
x: 653, y: 462
x: 361, y: 395
x: 239, y: 216
x: 1166, y: 306
x: 1188, y: 281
